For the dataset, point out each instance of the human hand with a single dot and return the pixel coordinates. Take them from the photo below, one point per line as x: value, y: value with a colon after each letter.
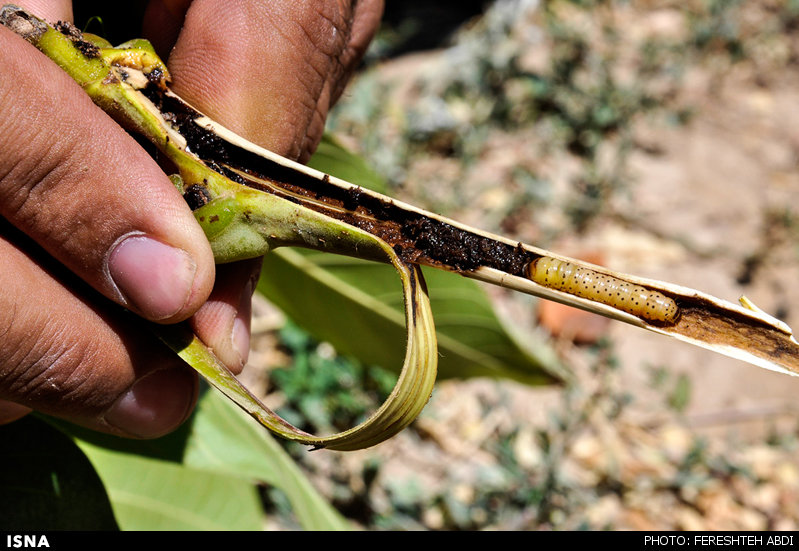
x: 85, y: 209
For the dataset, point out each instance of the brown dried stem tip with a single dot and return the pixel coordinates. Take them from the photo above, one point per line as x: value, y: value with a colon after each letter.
x: 22, y: 23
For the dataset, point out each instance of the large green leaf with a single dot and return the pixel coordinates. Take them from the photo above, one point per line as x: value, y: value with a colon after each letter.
x: 225, y: 439
x: 357, y: 306
x: 214, y: 459
x: 153, y: 494
x: 47, y: 483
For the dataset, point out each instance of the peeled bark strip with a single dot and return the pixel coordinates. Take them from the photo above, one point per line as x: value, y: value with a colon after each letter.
x: 739, y: 331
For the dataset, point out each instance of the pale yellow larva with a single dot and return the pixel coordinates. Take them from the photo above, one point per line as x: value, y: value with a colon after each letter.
x: 586, y: 283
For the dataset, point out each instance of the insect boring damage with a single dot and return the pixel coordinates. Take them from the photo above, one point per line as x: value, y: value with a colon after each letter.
x: 568, y: 277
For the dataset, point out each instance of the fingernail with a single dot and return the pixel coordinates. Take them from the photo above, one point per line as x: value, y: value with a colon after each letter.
x: 154, y: 278
x: 156, y: 404
x: 241, y: 324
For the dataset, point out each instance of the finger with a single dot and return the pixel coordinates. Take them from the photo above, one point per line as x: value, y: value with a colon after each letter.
x: 163, y: 20
x: 75, y: 182
x: 65, y: 355
x: 223, y: 322
x: 270, y: 70
x: 365, y: 23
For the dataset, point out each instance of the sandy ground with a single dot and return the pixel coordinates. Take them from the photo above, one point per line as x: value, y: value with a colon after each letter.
x: 707, y: 200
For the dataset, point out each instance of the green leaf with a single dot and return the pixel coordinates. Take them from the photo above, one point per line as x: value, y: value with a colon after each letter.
x: 47, y: 483
x: 220, y: 449
x: 333, y: 158
x: 225, y: 439
x: 152, y: 494
x: 356, y: 305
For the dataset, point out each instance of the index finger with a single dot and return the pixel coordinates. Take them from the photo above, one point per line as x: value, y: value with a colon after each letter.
x: 76, y: 183
x: 269, y: 71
